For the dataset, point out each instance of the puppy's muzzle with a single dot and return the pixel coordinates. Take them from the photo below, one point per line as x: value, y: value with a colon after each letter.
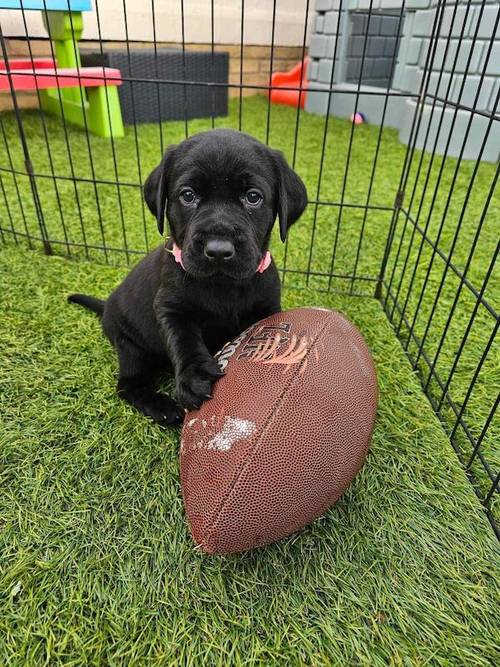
x: 219, y: 250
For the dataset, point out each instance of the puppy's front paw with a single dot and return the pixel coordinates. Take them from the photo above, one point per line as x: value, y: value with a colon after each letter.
x: 194, y: 384
x: 163, y: 410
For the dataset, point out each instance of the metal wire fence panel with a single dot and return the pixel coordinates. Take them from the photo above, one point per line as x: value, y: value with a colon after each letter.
x: 440, y: 289
x: 403, y: 208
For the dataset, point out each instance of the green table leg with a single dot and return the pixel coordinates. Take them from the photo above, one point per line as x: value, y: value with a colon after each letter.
x: 102, y: 110
x: 65, y: 30
x: 104, y: 114
x: 99, y: 107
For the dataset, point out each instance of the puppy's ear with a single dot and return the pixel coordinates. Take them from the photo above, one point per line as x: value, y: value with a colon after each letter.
x: 291, y: 196
x: 155, y: 189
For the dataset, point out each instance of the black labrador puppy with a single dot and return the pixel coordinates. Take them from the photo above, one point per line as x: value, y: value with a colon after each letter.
x: 220, y: 192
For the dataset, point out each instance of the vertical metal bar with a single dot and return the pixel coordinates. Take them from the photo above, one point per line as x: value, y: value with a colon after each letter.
x: 89, y: 146
x: 323, y: 146
x: 297, y: 121
x: 136, y: 137
x: 241, y: 61
x: 461, y: 217
x: 377, y: 150
x: 68, y: 147
x: 405, y: 172
x: 462, y: 281
x: 495, y: 487
x: 9, y: 214
x: 113, y: 150
x: 27, y: 158
x: 271, y: 63
x: 2, y: 236
x: 473, y: 381
x: 303, y: 55
x: 349, y: 149
x: 46, y: 138
x: 212, y: 59
x: 158, y: 95
x: 484, y: 430
x: 184, y: 92
x: 16, y: 184
x: 431, y: 162
x: 467, y: 331
x: 455, y: 176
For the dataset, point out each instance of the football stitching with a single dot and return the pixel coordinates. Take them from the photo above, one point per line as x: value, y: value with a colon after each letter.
x: 244, y: 464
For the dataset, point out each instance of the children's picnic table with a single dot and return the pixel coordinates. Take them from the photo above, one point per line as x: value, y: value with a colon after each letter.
x: 86, y: 96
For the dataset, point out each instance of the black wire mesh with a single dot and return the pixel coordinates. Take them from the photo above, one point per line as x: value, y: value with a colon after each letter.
x: 424, y: 243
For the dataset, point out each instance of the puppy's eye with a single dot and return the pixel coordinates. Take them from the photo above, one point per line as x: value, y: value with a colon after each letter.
x: 187, y: 196
x: 253, y: 197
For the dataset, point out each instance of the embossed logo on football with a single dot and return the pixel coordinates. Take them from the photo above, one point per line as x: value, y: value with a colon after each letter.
x: 269, y: 344
x: 285, y: 432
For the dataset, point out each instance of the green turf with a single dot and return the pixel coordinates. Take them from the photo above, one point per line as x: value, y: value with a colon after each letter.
x: 97, y: 566
x: 347, y: 242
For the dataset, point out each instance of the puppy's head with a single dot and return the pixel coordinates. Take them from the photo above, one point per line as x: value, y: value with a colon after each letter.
x: 221, y: 192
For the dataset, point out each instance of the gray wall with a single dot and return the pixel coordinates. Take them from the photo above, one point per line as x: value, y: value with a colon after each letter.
x: 454, y: 73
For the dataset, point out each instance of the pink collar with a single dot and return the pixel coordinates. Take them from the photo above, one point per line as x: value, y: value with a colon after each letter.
x: 263, y: 264
x: 177, y: 253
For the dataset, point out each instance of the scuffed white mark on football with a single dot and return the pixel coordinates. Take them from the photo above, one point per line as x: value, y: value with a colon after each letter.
x: 234, y: 429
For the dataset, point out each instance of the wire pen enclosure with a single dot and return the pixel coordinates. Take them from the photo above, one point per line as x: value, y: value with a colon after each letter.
x: 403, y: 208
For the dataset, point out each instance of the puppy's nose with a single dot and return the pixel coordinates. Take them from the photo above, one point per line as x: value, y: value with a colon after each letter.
x: 218, y: 250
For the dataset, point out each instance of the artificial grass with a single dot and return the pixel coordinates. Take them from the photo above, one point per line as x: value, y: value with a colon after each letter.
x: 346, y: 242
x: 97, y: 566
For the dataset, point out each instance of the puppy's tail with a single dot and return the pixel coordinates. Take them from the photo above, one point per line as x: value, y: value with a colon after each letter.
x: 90, y: 302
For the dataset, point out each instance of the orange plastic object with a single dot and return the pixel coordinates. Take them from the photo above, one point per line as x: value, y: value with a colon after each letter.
x: 282, y: 84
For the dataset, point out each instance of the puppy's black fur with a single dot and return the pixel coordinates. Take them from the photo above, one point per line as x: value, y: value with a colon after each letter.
x: 220, y: 192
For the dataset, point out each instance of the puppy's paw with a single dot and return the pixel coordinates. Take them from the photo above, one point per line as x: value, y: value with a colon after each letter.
x: 162, y: 409
x: 194, y: 384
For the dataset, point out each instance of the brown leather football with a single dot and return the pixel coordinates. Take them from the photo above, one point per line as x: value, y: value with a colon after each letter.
x: 284, y: 434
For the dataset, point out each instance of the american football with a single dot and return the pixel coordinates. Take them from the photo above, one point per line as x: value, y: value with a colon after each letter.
x: 284, y: 434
